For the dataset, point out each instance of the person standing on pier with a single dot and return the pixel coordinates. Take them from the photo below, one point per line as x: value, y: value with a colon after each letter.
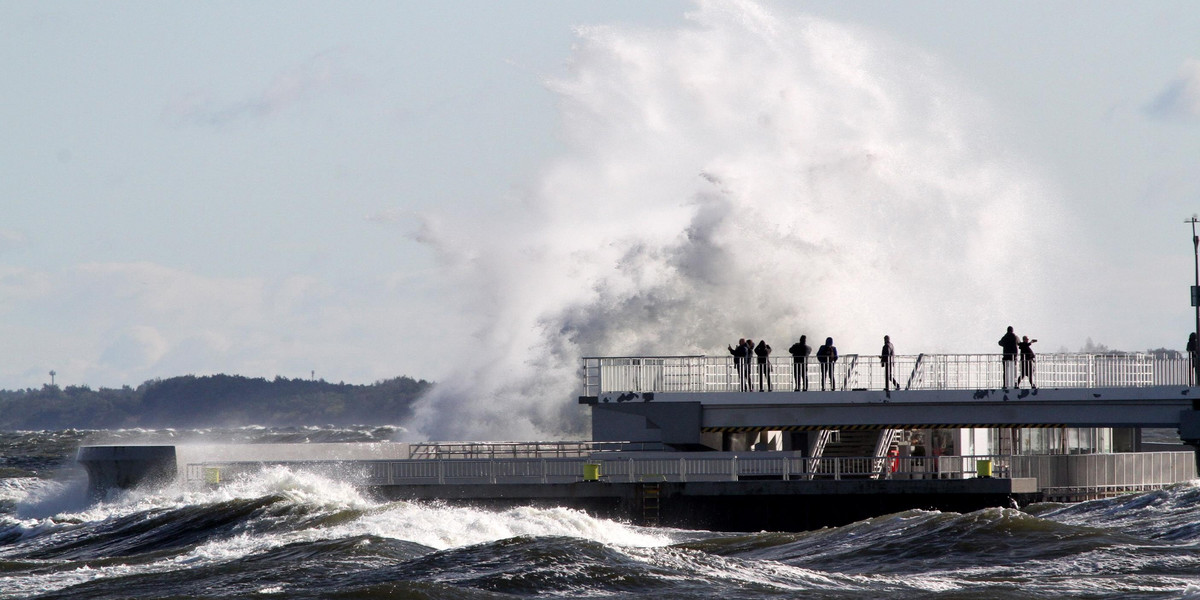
x: 1026, y: 348
x: 739, y: 362
x: 887, y: 358
x: 827, y: 356
x: 763, y: 352
x: 749, y: 365
x: 800, y: 351
x: 1008, y: 344
x: 1193, y: 353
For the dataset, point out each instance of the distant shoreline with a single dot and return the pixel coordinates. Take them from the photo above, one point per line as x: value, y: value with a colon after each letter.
x: 210, y: 401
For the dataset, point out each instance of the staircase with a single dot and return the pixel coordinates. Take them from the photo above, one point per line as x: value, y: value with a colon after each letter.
x: 852, y: 443
x: 872, y: 445
x: 888, y: 442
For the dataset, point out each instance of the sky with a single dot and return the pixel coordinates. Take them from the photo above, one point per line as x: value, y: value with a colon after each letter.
x: 479, y: 193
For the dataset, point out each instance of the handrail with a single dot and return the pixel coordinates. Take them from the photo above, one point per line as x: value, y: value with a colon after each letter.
x: 818, y: 450
x: 928, y: 372
x: 491, y: 450
x: 883, y: 445
x: 849, y: 368
x: 916, y: 370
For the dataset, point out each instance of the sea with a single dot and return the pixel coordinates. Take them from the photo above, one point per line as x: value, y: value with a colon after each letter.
x: 287, y: 533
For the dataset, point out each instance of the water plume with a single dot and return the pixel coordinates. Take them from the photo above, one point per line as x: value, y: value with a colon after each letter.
x: 751, y: 173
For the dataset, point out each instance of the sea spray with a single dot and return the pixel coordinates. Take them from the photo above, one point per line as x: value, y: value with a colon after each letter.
x: 751, y: 173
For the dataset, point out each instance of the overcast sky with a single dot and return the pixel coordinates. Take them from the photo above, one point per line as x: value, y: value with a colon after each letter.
x: 283, y: 188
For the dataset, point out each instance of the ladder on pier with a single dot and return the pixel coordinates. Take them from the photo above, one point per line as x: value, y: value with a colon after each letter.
x: 651, y: 502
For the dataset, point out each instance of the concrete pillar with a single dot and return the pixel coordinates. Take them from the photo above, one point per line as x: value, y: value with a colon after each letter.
x: 124, y: 467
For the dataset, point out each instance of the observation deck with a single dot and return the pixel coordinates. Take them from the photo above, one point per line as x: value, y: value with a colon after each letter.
x: 704, y: 374
x: 677, y: 400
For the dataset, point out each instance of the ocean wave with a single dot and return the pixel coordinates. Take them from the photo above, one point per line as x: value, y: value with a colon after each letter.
x: 276, y: 512
x: 1170, y: 515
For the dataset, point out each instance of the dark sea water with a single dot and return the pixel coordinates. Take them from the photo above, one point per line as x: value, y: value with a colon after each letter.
x: 289, y: 534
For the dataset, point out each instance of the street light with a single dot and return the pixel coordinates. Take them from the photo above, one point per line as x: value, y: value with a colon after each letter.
x: 1195, y: 366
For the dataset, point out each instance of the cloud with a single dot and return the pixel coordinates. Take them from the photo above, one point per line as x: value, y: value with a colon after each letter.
x: 10, y: 240
x: 321, y: 74
x: 1181, y: 98
x: 389, y: 215
x: 138, y: 346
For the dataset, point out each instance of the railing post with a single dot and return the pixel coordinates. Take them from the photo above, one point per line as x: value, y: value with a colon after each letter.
x: 682, y: 469
x: 733, y: 469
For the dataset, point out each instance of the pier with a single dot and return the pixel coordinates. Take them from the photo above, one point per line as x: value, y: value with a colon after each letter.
x: 677, y: 441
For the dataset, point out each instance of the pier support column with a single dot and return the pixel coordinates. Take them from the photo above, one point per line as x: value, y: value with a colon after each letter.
x: 1189, y: 432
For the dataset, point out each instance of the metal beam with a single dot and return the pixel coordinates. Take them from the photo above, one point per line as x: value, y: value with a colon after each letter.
x: 1158, y: 406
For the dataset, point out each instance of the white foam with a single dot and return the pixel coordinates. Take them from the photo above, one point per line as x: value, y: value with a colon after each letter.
x: 18, y: 489
x: 443, y: 527
x: 690, y: 565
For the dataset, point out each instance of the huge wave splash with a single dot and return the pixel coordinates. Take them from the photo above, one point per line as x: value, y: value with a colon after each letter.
x: 750, y: 173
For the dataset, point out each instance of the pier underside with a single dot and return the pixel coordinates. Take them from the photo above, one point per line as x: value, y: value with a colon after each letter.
x: 739, y: 505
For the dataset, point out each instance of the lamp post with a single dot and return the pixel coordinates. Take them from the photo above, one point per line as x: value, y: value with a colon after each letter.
x: 1195, y: 364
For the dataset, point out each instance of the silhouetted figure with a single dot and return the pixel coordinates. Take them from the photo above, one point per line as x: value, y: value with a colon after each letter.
x: 763, y: 352
x: 887, y: 358
x: 1026, y: 348
x: 739, y: 362
x: 827, y: 356
x: 800, y: 351
x: 749, y: 364
x: 1008, y: 344
x: 1193, y: 352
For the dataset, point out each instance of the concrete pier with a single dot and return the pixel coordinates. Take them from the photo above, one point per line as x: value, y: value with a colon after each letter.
x: 737, y: 505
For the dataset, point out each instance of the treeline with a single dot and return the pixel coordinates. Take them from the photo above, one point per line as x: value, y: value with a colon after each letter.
x: 211, y: 401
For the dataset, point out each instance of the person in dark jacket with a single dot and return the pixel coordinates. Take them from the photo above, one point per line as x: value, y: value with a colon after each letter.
x: 800, y: 351
x: 887, y: 358
x: 1025, y: 346
x: 827, y: 356
x: 749, y: 365
x: 739, y: 362
x: 1193, y: 352
x: 1008, y: 344
x: 763, y: 352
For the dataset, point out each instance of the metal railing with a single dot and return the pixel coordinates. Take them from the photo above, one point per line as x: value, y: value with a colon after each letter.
x: 1073, y: 477
x: 493, y: 450
x: 918, y: 372
x: 1063, y: 476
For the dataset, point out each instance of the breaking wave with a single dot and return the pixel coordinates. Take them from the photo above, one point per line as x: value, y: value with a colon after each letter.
x: 753, y: 172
